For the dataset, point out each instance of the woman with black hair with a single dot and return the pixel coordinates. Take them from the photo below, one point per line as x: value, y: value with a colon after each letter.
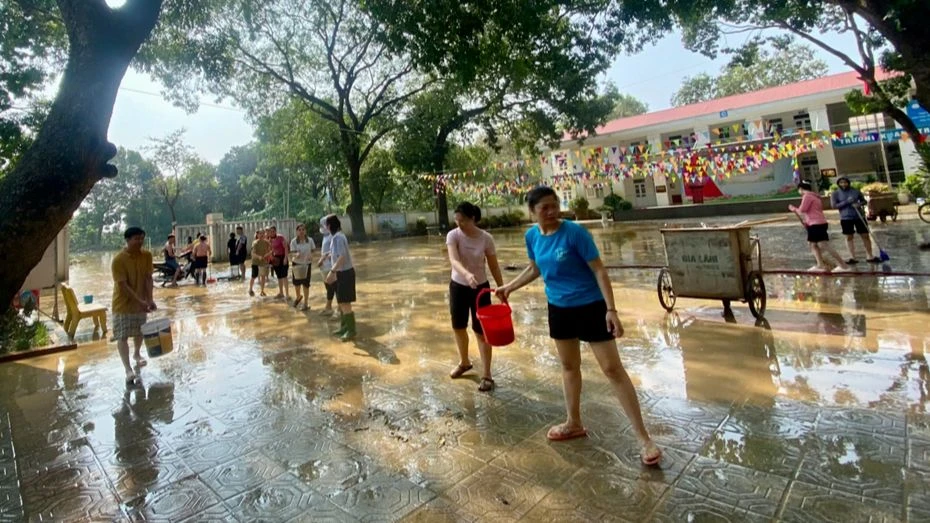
x: 581, y: 308
x: 343, y: 275
x: 470, y: 249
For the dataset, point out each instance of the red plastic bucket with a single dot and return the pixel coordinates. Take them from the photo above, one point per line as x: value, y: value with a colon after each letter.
x: 495, y: 321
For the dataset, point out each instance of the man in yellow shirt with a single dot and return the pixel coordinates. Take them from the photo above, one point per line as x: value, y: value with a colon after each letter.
x: 132, y: 297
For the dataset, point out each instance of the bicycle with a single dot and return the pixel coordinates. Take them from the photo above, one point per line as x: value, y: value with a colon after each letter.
x: 923, y: 211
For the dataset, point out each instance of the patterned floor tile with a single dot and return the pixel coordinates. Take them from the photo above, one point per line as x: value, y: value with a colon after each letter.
x: 218, y: 513
x: 732, y: 485
x: 494, y: 494
x: 683, y: 424
x: 241, y: 474
x: 178, y: 501
x: 765, y: 443
x: 680, y: 505
x: 537, y: 462
x: 73, y: 504
x: 11, y: 504
x: 816, y: 503
x: 917, y: 491
x: 560, y: 507
x: 438, y: 468
x: 500, y: 429
x: 336, y: 471
x: 281, y: 499
x: 383, y: 497
x: 599, y: 493
x: 918, y: 451
x: 865, y: 421
x: 295, y: 451
x: 133, y: 479
x: 869, y: 465
x: 440, y: 510
x: 213, y: 451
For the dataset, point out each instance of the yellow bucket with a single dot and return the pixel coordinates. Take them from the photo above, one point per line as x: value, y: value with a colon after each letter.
x: 157, y: 336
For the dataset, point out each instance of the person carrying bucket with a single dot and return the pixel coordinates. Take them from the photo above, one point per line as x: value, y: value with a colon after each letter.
x: 132, y: 298
x: 581, y: 308
x: 470, y: 249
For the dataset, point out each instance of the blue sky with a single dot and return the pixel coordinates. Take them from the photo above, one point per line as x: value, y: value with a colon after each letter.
x: 652, y: 76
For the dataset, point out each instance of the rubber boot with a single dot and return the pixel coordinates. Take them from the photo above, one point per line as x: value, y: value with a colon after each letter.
x: 350, y: 327
x: 343, y: 325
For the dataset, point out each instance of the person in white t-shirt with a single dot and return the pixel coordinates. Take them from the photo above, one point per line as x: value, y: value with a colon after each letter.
x: 301, y: 251
x: 470, y: 249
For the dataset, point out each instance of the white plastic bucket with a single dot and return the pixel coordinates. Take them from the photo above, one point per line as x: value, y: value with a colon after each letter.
x: 157, y: 336
x: 300, y: 272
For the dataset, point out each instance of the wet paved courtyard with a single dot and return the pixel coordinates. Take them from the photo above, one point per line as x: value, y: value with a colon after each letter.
x: 818, y: 414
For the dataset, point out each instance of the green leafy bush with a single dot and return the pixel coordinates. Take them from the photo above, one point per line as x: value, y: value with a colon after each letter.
x: 916, y: 185
x: 18, y: 333
x: 510, y: 219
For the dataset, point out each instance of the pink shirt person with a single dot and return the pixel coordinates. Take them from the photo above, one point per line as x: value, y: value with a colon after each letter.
x: 472, y: 254
x: 812, y: 209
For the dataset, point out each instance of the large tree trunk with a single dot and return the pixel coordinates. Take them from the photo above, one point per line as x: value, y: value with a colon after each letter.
x: 904, y: 24
x: 442, y: 202
x: 71, y: 150
x: 356, y: 207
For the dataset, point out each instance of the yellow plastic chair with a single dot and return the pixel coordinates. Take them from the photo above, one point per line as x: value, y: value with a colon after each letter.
x: 78, y: 311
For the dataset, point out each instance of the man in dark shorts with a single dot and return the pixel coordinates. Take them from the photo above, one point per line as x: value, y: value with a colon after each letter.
x: 848, y: 200
x: 231, y: 254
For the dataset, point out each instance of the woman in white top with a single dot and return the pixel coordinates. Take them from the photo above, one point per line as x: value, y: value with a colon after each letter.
x: 301, y: 252
x: 469, y: 249
x: 326, y: 264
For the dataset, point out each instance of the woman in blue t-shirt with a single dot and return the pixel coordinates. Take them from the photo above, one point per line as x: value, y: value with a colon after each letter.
x: 581, y: 308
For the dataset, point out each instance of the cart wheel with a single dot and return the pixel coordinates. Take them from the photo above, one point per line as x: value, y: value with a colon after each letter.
x: 894, y: 216
x: 924, y: 212
x: 883, y: 216
x: 755, y: 294
x: 665, y: 291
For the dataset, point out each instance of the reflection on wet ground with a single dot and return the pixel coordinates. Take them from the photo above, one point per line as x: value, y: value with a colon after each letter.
x: 820, y: 413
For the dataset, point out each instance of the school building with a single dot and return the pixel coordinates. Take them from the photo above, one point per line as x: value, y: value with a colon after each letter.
x: 857, y: 146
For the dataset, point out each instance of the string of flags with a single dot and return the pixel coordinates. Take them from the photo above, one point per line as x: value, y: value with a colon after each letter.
x: 602, y: 165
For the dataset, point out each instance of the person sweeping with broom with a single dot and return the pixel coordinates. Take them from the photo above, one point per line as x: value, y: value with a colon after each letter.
x: 811, y: 215
x: 848, y: 200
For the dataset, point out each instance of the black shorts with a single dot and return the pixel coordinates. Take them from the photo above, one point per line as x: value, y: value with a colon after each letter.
x: 254, y: 270
x: 200, y: 262
x: 345, y: 286
x: 280, y: 270
x: 854, y: 226
x: 462, y: 305
x: 585, y: 322
x: 818, y: 233
x: 330, y: 291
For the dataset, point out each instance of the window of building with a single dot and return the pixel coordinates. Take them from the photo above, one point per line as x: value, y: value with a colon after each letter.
x: 639, y: 188
x: 726, y: 133
x: 802, y: 121
x: 868, y: 122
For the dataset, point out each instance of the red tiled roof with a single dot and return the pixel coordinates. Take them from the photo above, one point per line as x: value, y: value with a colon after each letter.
x: 834, y: 82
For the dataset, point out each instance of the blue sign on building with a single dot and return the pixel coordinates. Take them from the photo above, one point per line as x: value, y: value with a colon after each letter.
x: 890, y: 136
x: 918, y: 114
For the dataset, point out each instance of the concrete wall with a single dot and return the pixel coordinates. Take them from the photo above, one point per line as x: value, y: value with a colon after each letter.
x: 706, y: 211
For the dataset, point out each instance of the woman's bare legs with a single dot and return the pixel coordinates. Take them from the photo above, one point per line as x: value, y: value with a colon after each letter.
x: 570, y: 355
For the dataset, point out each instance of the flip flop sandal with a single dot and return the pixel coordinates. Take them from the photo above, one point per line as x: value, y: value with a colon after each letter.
x: 558, y: 433
x: 461, y: 369
x: 650, y: 449
x: 487, y: 384
x: 133, y: 380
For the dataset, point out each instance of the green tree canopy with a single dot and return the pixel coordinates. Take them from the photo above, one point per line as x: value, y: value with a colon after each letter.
x: 624, y: 105
x: 753, y: 67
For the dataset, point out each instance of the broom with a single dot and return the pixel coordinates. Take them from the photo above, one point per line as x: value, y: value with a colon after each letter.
x: 882, y: 255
